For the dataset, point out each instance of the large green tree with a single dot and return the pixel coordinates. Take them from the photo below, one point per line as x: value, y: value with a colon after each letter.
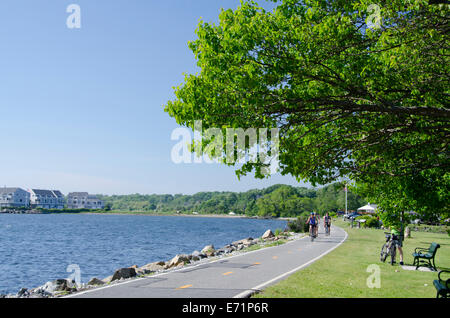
x: 357, y: 90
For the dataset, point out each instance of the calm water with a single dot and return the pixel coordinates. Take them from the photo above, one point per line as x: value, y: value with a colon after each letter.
x: 37, y: 248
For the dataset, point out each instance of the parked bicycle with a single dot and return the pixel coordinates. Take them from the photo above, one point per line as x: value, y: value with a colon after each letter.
x: 389, y: 247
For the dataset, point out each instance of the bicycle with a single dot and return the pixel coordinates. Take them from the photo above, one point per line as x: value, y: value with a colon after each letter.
x: 312, y: 232
x: 327, y: 230
x: 389, y: 248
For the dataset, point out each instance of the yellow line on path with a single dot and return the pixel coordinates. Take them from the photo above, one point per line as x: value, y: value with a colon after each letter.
x: 227, y: 273
x: 256, y: 263
x: 183, y: 287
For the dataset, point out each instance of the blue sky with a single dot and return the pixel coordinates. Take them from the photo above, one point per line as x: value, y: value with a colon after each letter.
x: 82, y: 109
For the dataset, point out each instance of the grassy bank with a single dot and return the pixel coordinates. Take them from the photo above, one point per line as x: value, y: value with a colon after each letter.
x: 342, y: 273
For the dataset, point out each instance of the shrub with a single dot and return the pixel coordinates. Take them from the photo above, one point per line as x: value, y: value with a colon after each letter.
x: 371, y: 222
x: 299, y: 225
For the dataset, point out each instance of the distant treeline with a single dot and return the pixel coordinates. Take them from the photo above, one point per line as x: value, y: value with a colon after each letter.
x: 276, y: 201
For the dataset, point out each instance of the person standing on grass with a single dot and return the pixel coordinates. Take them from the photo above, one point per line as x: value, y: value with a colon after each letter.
x: 397, y: 237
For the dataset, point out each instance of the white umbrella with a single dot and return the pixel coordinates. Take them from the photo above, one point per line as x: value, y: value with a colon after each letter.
x: 368, y: 208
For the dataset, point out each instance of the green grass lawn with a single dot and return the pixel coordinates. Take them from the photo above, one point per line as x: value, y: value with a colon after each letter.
x: 343, y: 272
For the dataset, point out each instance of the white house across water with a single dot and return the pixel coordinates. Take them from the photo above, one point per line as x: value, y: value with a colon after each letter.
x: 84, y: 200
x: 14, y: 197
x: 46, y: 199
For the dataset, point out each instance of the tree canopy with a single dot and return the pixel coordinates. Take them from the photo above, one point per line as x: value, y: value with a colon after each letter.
x: 353, y: 96
x: 275, y: 201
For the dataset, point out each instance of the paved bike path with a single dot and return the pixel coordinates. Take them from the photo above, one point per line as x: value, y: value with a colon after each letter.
x: 234, y: 276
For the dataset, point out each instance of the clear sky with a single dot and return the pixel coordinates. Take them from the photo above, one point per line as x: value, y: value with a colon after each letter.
x: 82, y: 109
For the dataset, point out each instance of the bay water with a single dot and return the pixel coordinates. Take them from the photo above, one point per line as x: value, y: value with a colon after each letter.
x: 35, y: 249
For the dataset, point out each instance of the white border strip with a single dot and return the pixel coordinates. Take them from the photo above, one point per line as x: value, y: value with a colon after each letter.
x: 249, y: 292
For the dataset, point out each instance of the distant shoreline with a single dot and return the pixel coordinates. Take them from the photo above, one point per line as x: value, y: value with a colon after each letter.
x: 167, y: 214
x: 237, y: 216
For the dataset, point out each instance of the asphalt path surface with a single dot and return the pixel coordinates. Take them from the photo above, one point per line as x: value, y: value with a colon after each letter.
x: 235, y: 276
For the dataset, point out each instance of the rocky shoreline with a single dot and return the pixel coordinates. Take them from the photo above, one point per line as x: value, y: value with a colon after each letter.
x: 20, y: 211
x: 63, y: 287
x: 95, y: 212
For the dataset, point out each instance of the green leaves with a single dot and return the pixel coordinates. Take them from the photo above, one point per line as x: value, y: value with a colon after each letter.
x: 350, y: 101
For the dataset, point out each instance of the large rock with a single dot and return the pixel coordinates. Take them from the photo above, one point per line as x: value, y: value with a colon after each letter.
x: 227, y: 249
x: 124, y: 273
x: 196, y: 256
x: 95, y: 282
x: 208, y: 250
x: 54, y: 287
x: 23, y: 292
x: 39, y: 293
x: 236, y: 243
x: 220, y: 251
x: 180, y: 259
x: 267, y: 234
x: 151, y: 268
x: 246, y: 242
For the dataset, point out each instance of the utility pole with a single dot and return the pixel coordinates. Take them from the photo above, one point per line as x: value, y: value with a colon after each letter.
x: 345, y: 189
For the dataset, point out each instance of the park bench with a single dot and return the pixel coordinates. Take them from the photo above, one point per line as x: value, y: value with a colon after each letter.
x: 442, y: 286
x: 425, y: 255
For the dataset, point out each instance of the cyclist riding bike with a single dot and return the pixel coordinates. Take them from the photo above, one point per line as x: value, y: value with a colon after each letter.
x: 312, y: 221
x: 327, y: 223
x: 317, y: 223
